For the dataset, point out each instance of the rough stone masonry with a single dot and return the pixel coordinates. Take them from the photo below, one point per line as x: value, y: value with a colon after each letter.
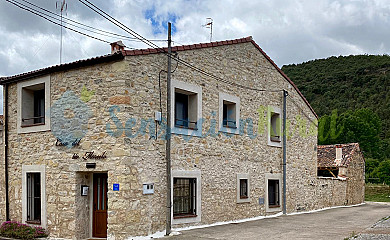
x: 119, y: 98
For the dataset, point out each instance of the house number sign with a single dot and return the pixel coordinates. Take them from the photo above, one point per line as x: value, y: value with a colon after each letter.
x: 90, y: 155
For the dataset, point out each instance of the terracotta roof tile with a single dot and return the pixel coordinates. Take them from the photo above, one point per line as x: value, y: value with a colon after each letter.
x: 326, y: 155
x: 62, y: 67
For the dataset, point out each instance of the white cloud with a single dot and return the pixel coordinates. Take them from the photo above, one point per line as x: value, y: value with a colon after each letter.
x: 289, y: 31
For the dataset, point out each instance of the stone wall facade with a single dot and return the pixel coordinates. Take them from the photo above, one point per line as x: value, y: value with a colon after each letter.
x: 121, y: 98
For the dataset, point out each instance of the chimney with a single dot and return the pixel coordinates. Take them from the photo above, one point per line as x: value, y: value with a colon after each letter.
x: 117, y: 46
x: 339, y: 152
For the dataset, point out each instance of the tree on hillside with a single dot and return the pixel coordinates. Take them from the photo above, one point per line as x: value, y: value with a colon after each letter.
x: 362, y: 126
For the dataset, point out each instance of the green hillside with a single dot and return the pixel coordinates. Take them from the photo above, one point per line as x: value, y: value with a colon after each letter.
x: 358, y: 87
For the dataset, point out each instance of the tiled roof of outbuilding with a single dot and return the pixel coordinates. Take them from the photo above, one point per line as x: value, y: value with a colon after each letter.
x: 326, y: 155
x: 121, y: 55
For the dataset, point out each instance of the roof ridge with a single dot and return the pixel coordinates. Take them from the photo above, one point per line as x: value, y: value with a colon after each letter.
x: 146, y: 51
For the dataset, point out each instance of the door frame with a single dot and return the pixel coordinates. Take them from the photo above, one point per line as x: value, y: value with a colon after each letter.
x: 91, y: 193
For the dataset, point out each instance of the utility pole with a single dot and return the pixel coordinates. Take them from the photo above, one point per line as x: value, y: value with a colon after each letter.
x: 168, y: 135
x: 285, y: 94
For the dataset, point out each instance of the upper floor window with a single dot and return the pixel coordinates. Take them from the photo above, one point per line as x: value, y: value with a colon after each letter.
x: 229, y: 113
x: 274, y: 126
x: 33, y: 103
x: 186, y: 108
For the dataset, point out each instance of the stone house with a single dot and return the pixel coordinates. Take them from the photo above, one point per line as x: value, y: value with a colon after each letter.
x: 343, y: 162
x: 86, y: 142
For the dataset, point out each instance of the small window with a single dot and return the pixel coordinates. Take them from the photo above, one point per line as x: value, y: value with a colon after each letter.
x: 33, y: 105
x: 328, y: 172
x: 275, y: 127
x: 229, y: 115
x: 34, y: 198
x: 185, y: 110
x: 243, y: 188
x: 273, y: 193
x: 184, y: 197
x: 33, y: 98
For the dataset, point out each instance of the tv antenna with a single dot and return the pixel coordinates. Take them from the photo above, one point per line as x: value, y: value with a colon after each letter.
x: 209, y: 24
x: 61, y: 6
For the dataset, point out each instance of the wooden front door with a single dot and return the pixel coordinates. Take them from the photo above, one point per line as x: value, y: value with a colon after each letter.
x: 99, y: 226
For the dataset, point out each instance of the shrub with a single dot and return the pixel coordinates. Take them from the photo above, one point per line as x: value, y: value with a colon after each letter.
x: 18, y: 230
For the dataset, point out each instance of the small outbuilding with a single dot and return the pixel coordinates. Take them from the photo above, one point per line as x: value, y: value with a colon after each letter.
x: 344, y: 162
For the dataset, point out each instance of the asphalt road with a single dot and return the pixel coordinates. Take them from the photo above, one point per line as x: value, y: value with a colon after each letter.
x: 339, y: 223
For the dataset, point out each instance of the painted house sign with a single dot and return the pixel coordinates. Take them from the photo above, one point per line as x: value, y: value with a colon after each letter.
x: 90, y: 155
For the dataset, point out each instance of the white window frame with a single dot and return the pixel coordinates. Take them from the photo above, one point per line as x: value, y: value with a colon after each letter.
x: 188, y: 174
x: 247, y: 177
x: 34, y: 169
x: 236, y: 101
x: 38, y: 128
x: 270, y: 111
x: 273, y: 176
x: 187, y: 87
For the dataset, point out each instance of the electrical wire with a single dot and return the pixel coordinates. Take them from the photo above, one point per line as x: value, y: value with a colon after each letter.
x: 76, y: 22
x: 303, y: 112
x: 59, y: 24
x: 71, y: 24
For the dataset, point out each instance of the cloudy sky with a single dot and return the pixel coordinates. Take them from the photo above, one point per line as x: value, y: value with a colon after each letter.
x: 288, y: 31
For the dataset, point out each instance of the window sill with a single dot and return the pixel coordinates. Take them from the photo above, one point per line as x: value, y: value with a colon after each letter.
x: 32, y: 125
x: 187, y: 131
x: 36, y: 222
x: 274, y: 206
x: 243, y: 197
x: 277, y: 140
x: 229, y: 130
x: 184, y: 127
x: 185, y: 216
x: 229, y: 127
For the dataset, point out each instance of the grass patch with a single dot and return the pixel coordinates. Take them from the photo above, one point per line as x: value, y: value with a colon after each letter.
x: 377, y: 192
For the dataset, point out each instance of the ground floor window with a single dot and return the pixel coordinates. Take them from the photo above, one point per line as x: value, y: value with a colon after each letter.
x: 273, y: 193
x: 243, y: 188
x: 34, y: 197
x: 184, y: 197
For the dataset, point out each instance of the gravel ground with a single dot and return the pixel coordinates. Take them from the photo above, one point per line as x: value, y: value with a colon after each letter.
x: 378, y: 231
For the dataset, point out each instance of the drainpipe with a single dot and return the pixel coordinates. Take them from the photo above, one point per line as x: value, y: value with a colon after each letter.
x: 168, y: 143
x: 6, y: 151
x: 285, y: 94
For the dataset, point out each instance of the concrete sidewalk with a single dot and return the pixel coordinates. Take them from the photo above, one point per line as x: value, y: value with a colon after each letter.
x: 339, y: 223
